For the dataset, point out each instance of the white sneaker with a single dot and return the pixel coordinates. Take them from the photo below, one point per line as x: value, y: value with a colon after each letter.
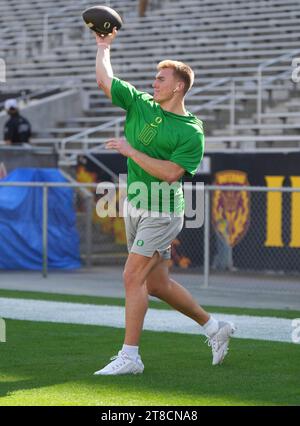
x: 220, y: 340
x: 122, y: 364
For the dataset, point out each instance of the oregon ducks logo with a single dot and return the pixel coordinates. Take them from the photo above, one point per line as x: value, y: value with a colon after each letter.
x: 149, y: 131
x: 140, y: 243
x: 157, y: 120
x: 106, y: 25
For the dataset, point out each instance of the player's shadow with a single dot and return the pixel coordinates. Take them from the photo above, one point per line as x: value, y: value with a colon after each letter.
x: 177, y: 367
x: 7, y: 388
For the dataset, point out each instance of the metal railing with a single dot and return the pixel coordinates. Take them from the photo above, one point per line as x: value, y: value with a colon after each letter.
x: 38, y: 93
x: 260, y: 83
x: 250, y: 143
x: 45, y: 187
x: 84, y: 142
x: 210, y: 242
x: 230, y: 96
x: 235, y: 92
x: 260, y: 70
x: 87, y: 144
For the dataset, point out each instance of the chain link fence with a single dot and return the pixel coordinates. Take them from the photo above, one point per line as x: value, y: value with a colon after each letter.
x: 248, y: 231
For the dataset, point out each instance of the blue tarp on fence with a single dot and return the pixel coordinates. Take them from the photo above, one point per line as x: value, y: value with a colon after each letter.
x: 21, y: 219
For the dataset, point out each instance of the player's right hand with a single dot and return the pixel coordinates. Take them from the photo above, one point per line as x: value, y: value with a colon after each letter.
x: 103, y: 39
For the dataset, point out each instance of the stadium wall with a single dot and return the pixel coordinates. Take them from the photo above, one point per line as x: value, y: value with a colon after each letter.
x: 49, y: 111
x: 13, y: 157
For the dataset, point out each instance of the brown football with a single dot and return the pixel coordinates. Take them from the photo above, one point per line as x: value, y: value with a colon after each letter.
x: 102, y: 19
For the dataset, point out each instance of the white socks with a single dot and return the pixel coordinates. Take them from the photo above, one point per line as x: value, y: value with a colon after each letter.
x: 131, y: 351
x: 211, y: 327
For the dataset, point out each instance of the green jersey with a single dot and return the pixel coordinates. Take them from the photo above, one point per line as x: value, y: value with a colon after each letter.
x: 162, y: 135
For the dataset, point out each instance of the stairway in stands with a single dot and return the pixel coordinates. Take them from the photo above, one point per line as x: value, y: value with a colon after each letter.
x: 218, y: 38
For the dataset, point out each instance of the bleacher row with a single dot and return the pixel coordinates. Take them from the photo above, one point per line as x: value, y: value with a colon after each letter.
x: 217, y: 38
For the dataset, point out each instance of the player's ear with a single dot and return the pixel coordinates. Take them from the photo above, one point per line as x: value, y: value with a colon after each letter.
x: 181, y: 86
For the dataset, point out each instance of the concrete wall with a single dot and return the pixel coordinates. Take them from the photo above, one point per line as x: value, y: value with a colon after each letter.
x: 47, y: 112
x: 14, y: 157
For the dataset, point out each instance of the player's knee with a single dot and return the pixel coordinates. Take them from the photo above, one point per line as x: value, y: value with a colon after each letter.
x: 154, y: 292
x: 130, y: 279
x: 154, y: 288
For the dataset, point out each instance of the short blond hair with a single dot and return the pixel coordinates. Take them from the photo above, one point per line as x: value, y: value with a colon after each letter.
x: 181, y: 70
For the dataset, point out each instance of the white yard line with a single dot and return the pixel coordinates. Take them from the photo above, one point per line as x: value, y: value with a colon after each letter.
x: 248, y: 327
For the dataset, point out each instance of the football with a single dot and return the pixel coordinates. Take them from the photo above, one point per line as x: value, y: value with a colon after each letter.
x: 102, y: 19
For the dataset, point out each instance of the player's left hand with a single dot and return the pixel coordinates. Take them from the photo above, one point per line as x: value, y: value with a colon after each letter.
x: 121, y: 145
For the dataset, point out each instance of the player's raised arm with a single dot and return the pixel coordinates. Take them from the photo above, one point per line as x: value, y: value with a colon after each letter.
x: 105, y: 22
x: 104, y: 72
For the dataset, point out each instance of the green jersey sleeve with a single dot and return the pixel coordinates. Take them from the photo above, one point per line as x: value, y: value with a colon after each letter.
x: 123, y: 94
x: 189, y: 154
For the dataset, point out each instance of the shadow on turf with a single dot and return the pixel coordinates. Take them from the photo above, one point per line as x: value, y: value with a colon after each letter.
x: 178, y: 368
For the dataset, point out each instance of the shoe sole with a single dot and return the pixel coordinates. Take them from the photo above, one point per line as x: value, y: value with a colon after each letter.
x: 118, y: 374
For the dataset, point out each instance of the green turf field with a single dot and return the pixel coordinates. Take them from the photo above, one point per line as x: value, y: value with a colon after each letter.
x: 52, y: 364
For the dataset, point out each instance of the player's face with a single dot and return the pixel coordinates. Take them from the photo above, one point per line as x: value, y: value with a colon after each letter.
x: 164, y: 85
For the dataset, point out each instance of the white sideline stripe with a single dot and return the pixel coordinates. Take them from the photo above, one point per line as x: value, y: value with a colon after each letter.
x: 248, y: 327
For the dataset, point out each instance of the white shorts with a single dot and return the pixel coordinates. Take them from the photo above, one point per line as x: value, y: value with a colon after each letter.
x: 147, y: 234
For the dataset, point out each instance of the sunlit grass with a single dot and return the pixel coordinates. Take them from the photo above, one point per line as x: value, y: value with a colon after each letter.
x: 53, y: 364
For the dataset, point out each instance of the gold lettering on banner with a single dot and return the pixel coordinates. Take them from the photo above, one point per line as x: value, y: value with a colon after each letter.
x: 274, y: 212
x: 295, y: 214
